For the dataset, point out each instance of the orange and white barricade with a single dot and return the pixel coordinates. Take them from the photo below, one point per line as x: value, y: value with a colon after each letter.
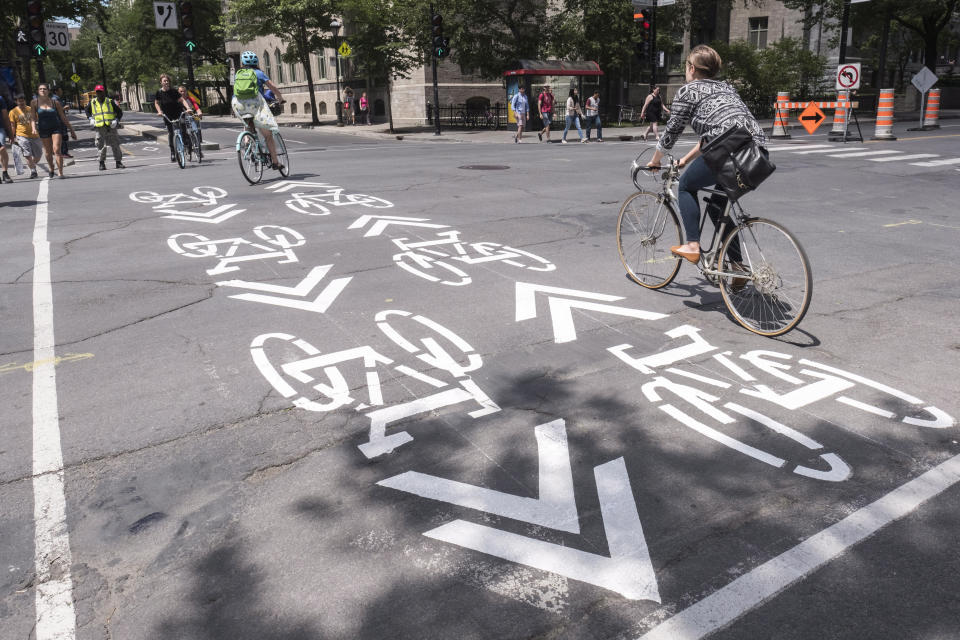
x: 839, y: 130
x: 781, y: 115
x: 884, y: 128
x: 931, y: 117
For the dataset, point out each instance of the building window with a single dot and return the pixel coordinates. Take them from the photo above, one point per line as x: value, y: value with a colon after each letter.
x: 279, y: 67
x: 323, y: 108
x: 758, y: 33
x: 293, y: 108
x: 293, y: 72
x: 266, y: 62
x: 306, y: 108
x: 321, y: 67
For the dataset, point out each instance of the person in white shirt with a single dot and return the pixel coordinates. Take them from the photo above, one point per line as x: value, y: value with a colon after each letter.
x: 593, y: 115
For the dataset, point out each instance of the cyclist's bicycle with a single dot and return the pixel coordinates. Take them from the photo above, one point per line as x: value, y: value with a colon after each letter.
x: 252, y: 152
x: 185, y: 121
x: 762, y: 271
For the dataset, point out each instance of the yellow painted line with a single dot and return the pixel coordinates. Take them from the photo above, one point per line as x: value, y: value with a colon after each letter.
x: 30, y: 366
x: 898, y: 224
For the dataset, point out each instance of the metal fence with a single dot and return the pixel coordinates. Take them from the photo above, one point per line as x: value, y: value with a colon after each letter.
x: 460, y: 115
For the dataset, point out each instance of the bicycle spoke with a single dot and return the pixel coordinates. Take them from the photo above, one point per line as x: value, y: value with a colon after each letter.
x: 646, y: 230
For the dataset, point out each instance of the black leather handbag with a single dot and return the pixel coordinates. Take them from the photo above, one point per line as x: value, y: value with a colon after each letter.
x: 738, y: 161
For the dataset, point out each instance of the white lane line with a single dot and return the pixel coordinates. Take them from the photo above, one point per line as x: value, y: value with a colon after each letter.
x: 831, y: 149
x: 862, y: 154
x: 56, y: 619
x: 799, y: 147
x: 937, y: 163
x: 293, y: 141
x: 761, y: 584
x: 915, y: 156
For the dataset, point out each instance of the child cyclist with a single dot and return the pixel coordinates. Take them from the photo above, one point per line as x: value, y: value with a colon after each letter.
x: 248, y: 100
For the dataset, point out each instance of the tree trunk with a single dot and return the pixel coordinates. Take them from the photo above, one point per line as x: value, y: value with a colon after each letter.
x: 305, y: 59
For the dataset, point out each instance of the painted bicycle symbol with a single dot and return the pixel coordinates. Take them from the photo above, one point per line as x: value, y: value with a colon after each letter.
x: 277, y: 242
x: 317, y: 204
x: 203, y: 196
x: 424, y: 260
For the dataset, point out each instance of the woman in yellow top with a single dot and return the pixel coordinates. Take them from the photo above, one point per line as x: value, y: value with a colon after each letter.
x: 26, y: 139
x: 48, y: 117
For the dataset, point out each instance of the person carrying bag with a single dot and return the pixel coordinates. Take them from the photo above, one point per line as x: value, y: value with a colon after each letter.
x: 732, y: 148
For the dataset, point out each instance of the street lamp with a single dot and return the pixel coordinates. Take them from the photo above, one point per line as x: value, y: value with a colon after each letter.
x: 335, y: 28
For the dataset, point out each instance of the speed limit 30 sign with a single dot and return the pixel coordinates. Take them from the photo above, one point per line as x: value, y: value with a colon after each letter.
x: 848, y: 76
x: 58, y: 36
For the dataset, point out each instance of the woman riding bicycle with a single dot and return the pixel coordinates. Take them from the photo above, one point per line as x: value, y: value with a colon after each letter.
x: 710, y: 107
x: 248, y: 100
x: 171, y: 104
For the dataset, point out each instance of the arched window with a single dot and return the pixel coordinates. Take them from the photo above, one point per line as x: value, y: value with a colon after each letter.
x: 306, y: 107
x: 323, y: 108
x: 265, y: 63
x: 279, y: 67
x: 293, y: 108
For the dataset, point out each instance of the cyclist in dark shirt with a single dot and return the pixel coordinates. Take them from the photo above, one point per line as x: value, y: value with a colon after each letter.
x: 171, y: 104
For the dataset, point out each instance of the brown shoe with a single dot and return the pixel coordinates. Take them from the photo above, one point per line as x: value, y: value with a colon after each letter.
x: 693, y: 257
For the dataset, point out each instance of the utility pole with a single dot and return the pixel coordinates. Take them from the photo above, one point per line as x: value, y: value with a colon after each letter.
x: 653, y: 45
x: 436, y: 22
x: 844, y: 25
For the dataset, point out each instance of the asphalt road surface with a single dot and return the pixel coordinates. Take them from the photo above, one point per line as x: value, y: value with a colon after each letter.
x: 408, y: 392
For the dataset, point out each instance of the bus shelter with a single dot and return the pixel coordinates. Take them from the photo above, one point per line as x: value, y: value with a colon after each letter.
x: 561, y: 75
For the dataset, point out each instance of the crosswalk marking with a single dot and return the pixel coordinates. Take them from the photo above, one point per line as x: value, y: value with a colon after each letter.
x: 829, y: 149
x: 795, y: 147
x: 915, y: 156
x: 936, y: 163
x: 862, y: 154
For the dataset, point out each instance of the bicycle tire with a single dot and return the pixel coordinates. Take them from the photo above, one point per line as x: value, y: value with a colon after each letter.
x: 647, y: 226
x: 178, y: 149
x: 770, y: 287
x: 493, y: 122
x: 282, y: 156
x: 197, y: 151
x: 248, y: 154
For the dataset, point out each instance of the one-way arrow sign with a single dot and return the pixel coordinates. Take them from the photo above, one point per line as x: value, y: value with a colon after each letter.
x: 562, y: 303
x: 627, y: 570
x: 811, y: 117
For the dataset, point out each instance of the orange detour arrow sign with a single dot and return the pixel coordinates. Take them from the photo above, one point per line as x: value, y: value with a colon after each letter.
x: 811, y: 117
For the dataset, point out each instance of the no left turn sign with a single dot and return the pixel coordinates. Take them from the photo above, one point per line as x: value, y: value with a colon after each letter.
x: 848, y: 76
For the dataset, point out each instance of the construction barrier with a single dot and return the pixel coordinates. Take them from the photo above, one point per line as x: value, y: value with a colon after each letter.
x: 884, y: 129
x: 839, y: 130
x: 781, y: 116
x: 932, y: 115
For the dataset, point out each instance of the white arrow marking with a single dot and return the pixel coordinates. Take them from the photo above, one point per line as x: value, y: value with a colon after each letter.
x: 555, y: 508
x: 561, y: 308
x: 384, y: 221
x: 627, y: 571
x: 214, y: 216
x: 287, y: 185
x: 318, y: 305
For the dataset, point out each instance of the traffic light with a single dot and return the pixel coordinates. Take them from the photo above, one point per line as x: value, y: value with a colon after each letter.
x: 441, y: 45
x: 186, y: 23
x: 38, y: 40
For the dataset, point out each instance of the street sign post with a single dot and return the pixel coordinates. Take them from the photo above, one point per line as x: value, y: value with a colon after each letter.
x: 165, y: 15
x: 848, y: 76
x: 923, y: 80
x: 811, y: 117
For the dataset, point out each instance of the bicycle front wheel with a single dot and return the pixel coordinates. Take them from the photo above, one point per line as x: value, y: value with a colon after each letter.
x: 248, y: 153
x: 195, y: 140
x: 181, y: 154
x: 769, y: 286
x: 282, y: 156
x: 646, y: 229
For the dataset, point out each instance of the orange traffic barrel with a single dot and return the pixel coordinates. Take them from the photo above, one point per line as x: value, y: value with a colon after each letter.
x: 839, y: 117
x: 931, y: 117
x: 781, y: 115
x: 884, y: 129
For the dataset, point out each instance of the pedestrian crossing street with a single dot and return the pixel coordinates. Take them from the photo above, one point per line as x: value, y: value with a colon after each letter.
x: 872, y: 155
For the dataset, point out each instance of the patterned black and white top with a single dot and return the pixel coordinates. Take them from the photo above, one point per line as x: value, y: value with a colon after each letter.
x: 710, y: 107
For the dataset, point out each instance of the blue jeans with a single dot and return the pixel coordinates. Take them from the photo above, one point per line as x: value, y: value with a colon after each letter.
x: 591, y: 120
x: 572, y: 120
x: 697, y: 176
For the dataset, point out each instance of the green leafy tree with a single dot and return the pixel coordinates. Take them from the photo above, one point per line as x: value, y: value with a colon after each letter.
x: 303, y: 24
x: 598, y: 30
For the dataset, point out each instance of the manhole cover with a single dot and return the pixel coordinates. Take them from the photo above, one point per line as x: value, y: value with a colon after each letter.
x: 485, y: 167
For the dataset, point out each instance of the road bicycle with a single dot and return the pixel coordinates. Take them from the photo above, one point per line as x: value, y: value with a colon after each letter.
x: 478, y: 118
x: 253, y: 155
x: 762, y: 270
x: 184, y: 122
x: 626, y: 112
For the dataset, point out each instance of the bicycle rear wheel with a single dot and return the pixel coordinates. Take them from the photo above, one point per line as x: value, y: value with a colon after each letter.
x: 195, y: 141
x: 282, y: 156
x: 248, y: 154
x: 646, y: 229
x: 178, y: 149
x: 769, y: 286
